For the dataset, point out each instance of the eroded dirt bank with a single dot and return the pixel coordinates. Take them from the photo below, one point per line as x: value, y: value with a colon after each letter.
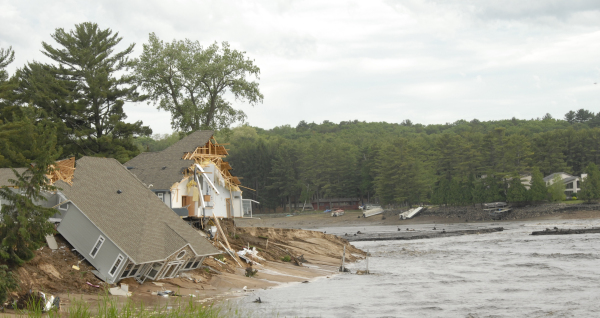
x: 310, y: 254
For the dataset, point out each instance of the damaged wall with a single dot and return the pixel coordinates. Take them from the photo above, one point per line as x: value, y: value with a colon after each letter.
x: 78, y: 230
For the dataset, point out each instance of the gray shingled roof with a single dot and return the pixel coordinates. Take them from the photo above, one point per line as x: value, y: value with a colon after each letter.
x: 570, y: 179
x: 162, y: 169
x: 136, y: 220
x: 550, y: 177
x: 7, y: 173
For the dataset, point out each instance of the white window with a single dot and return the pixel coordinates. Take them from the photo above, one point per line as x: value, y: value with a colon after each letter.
x: 63, y: 207
x: 116, y: 265
x: 97, y: 246
x: 161, y: 196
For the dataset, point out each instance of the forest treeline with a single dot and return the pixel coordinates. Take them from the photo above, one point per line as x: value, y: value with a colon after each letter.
x: 458, y: 163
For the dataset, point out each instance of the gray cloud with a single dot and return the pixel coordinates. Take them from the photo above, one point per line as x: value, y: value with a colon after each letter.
x: 428, y: 61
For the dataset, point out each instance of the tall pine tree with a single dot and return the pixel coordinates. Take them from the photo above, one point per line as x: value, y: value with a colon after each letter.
x: 24, y: 222
x: 93, y: 85
x: 537, y: 191
x: 516, y: 190
x: 590, y: 187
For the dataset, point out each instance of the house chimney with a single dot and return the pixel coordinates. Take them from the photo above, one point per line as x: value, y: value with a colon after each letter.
x: 583, y: 176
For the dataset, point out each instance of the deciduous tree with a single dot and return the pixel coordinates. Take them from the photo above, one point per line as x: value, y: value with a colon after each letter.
x: 190, y: 82
x: 556, y: 191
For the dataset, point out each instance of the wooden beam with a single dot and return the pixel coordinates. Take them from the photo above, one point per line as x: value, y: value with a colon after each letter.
x: 246, y: 187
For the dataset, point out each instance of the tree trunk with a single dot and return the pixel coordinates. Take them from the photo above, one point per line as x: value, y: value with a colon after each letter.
x: 318, y: 203
x: 211, y: 111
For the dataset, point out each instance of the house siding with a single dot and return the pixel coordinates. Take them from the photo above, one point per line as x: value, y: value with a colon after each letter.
x: 78, y: 230
x: 217, y: 204
x: 166, y: 196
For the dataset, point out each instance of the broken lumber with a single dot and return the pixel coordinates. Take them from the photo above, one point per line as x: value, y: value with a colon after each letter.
x: 232, y: 254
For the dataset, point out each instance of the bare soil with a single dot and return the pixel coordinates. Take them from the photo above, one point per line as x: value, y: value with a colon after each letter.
x: 53, y: 272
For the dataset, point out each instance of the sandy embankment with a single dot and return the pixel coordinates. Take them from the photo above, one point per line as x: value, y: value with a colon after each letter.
x: 52, y: 271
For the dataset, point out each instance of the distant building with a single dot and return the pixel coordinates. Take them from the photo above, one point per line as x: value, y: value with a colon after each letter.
x: 572, y: 183
x: 526, y: 180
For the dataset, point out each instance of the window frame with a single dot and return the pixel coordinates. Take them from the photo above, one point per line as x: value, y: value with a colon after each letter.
x: 161, y: 196
x: 193, y: 263
x: 570, y: 185
x: 100, y: 239
x: 115, y: 267
x: 160, y: 266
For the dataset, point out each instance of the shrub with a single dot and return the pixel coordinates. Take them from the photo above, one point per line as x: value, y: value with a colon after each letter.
x: 251, y: 272
x: 286, y: 258
x: 8, y: 283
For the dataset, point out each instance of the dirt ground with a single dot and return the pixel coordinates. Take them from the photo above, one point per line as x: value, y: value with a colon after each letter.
x: 312, y: 254
x: 352, y: 218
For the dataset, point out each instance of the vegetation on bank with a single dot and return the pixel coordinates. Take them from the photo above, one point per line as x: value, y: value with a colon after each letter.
x: 109, y: 307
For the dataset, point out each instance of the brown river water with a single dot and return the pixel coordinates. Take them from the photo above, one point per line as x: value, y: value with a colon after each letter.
x: 503, y: 274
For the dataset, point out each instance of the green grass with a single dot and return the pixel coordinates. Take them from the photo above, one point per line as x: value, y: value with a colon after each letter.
x: 573, y: 201
x: 109, y: 307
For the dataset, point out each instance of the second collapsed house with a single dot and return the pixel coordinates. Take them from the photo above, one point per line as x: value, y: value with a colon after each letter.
x: 191, y: 178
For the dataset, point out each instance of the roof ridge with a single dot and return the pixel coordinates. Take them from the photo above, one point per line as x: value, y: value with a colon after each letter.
x: 197, y: 132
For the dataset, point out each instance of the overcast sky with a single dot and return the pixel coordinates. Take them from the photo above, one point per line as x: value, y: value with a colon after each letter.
x: 428, y: 61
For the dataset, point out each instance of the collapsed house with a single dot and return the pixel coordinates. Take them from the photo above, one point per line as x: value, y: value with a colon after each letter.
x: 117, y: 224
x: 192, y: 179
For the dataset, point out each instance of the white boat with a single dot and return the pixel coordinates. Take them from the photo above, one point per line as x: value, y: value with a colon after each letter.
x: 411, y: 213
x: 372, y: 210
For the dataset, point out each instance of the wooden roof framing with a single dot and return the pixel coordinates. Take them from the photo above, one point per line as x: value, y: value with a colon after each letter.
x: 214, y: 152
x: 62, y: 170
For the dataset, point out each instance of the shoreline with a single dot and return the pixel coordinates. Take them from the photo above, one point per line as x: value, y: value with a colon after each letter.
x: 216, y: 282
x: 317, y: 221
x: 321, y: 251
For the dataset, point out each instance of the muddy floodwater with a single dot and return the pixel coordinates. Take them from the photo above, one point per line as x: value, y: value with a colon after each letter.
x: 504, y: 274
